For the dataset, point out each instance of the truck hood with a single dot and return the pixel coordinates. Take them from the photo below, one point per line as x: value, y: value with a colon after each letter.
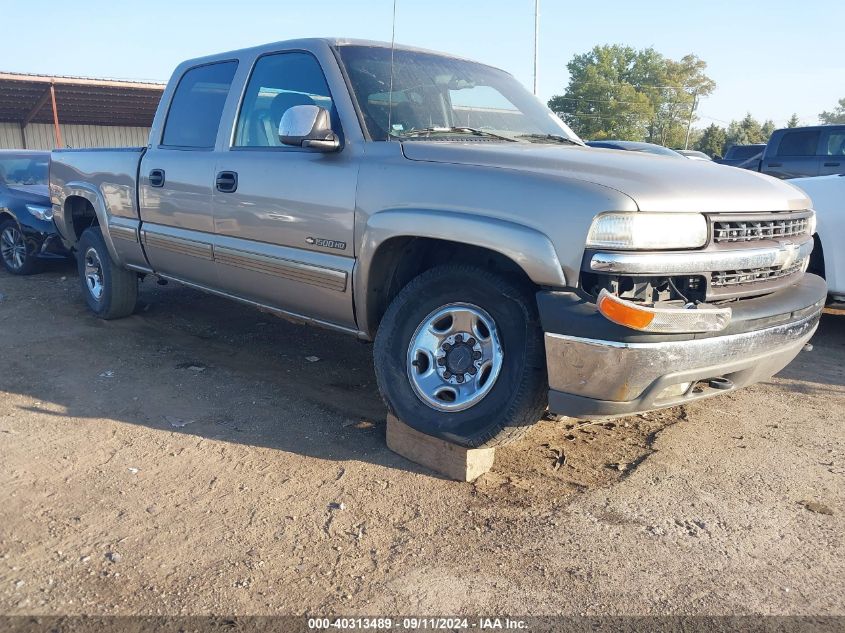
x: 655, y: 183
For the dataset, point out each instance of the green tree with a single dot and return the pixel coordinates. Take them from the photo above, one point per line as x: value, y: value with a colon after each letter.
x: 602, y: 100
x: 683, y: 83
x: 767, y: 129
x: 712, y: 141
x: 616, y: 91
x: 837, y: 115
x: 747, y: 131
x: 793, y: 121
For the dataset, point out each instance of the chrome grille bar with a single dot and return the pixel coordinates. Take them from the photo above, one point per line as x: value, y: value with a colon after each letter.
x: 727, y: 278
x: 753, y: 230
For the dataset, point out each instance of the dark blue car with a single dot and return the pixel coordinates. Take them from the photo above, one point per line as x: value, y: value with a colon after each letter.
x: 27, y: 232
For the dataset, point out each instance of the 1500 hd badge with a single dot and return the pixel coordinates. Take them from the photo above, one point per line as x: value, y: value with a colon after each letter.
x: 319, y: 241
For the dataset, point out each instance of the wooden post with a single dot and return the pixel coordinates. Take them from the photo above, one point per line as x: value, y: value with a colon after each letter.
x: 33, y: 112
x: 451, y: 460
x: 56, y: 127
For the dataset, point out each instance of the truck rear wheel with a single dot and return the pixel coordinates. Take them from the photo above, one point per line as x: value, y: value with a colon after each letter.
x: 459, y: 355
x: 110, y: 291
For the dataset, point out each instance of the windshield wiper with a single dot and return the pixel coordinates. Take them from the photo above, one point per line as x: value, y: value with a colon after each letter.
x: 428, y: 131
x: 557, y: 138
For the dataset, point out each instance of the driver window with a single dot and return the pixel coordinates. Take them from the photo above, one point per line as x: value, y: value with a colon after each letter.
x: 278, y: 83
x: 835, y: 144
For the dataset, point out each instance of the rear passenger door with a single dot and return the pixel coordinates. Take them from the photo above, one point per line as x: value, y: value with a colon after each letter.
x: 833, y: 152
x: 796, y: 155
x: 284, y: 221
x: 177, y: 175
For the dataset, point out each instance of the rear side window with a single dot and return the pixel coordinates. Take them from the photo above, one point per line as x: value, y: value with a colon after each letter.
x: 799, y: 143
x: 745, y: 151
x: 278, y: 83
x: 835, y: 145
x: 197, y: 105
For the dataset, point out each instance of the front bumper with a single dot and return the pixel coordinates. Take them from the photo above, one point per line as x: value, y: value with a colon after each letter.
x: 623, y: 372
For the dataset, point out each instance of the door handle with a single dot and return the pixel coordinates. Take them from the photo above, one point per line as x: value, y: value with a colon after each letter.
x: 775, y: 164
x: 227, y: 182
x: 831, y: 164
x: 156, y: 178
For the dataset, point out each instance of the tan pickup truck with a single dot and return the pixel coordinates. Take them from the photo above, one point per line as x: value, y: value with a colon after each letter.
x: 433, y: 205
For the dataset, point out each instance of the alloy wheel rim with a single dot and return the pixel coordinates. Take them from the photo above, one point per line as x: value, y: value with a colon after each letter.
x: 13, y: 247
x: 454, y: 357
x: 93, y: 274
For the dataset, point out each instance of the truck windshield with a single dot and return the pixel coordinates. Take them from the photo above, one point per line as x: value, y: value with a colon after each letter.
x: 435, y: 97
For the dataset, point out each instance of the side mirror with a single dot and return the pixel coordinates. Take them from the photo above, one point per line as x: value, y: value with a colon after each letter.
x: 308, y: 126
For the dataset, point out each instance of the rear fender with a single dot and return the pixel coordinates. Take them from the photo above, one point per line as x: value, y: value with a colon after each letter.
x: 64, y: 220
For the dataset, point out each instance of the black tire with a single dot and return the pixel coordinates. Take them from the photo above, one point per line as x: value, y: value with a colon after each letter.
x: 119, y: 287
x: 8, y: 229
x: 519, y: 395
x: 816, y: 265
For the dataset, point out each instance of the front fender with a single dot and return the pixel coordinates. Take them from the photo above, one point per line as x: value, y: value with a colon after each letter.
x: 64, y: 221
x: 528, y: 248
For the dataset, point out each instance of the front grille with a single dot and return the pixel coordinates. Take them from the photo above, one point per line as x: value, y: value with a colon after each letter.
x: 731, y: 278
x: 752, y: 230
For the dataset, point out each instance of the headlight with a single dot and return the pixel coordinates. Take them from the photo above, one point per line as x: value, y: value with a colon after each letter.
x: 40, y: 212
x: 648, y: 231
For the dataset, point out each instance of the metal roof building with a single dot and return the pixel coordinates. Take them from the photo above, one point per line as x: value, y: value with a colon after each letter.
x: 44, y: 112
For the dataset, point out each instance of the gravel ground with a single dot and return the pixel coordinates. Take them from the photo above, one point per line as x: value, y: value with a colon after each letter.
x: 192, y: 459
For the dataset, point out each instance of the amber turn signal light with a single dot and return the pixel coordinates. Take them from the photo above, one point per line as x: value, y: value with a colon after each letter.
x: 624, y: 313
x: 700, y: 317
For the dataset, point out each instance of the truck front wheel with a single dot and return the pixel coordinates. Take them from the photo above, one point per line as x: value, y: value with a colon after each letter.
x: 110, y: 291
x: 459, y: 355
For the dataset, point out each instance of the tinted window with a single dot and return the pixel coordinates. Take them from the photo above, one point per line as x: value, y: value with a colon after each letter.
x: 197, y: 105
x: 799, y: 143
x: 746, y: 151
x: 22, y: 169
x: 278, y: 83
x: 835, y: 145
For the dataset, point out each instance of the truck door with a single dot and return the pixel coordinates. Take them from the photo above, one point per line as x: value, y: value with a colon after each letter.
x: 177, y: 175
x: 284, y: 216
x: 833, y: 152
x: 796, y: 155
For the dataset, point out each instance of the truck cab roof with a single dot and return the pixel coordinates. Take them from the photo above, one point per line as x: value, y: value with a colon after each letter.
x: 311, y: 43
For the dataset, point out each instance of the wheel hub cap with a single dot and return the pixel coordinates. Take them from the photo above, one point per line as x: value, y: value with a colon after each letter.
x: 13, y: 247
x: 93, y: 273
x: 459, y: 359
x: 455, y: 357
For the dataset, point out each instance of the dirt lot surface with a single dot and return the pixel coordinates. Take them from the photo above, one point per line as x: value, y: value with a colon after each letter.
x: 191, y: 459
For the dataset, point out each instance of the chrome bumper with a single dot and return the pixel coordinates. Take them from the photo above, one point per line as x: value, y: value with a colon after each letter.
x: 780, y: 255
x: 593, y: 378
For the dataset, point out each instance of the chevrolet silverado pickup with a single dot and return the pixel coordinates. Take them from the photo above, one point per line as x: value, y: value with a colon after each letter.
x: 432, y: 205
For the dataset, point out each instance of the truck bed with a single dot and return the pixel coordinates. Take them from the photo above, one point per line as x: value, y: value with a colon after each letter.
x: 112, y: 173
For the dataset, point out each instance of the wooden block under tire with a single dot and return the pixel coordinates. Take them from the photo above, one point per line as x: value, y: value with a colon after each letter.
x: 451, y: 460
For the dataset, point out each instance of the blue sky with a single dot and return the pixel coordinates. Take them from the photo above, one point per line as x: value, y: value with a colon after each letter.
x: 771, y: 58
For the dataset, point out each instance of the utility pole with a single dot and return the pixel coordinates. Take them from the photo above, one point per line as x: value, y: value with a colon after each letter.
x: 536, y: 40
x: 691, y: 114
